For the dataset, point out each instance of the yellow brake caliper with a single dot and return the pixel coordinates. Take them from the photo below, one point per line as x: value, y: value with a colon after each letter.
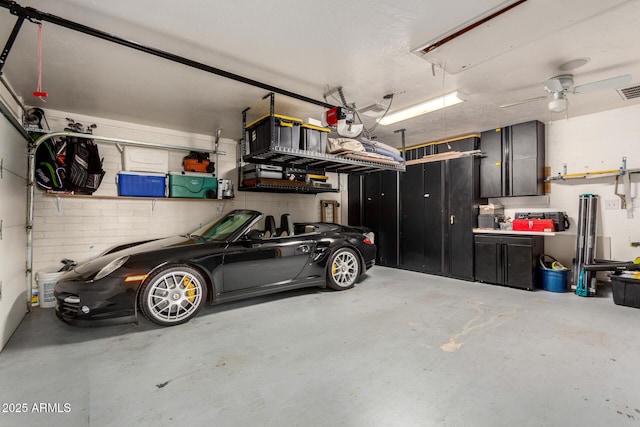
x: 334, y: 268
x: 191, y: 289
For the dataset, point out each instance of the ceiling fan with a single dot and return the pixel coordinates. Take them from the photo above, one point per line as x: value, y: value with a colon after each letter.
x: 559, y: 86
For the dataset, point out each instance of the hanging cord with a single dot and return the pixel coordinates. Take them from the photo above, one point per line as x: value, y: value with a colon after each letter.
x: 39, y: 92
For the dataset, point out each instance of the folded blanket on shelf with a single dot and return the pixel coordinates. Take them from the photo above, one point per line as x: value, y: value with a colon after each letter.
x: 383, y: 152
x: 379, y: 145
x: 338, y: 145
x: 369, y: 149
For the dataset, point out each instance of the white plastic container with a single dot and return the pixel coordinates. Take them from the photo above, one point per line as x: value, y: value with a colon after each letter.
x: 46, y: 283
x: 138, y: 159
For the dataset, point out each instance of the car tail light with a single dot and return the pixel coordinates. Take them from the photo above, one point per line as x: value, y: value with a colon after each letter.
x: 369, y: 238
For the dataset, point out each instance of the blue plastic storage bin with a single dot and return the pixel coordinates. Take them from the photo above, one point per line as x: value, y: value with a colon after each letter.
x: 141, y: 184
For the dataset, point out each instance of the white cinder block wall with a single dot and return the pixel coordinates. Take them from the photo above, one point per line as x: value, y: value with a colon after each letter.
x: 82, y: 228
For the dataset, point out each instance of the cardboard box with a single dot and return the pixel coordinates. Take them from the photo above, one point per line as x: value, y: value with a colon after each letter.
x: 491, y: 209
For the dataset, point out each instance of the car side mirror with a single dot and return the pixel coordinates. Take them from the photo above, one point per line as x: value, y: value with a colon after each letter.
x: 255, y: 235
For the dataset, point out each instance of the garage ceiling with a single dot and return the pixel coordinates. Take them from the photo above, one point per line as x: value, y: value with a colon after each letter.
x: 308, y: 46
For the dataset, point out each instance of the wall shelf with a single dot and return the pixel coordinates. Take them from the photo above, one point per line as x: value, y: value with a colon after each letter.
x: 92, y: 196
x: 284, y: 186
x: 153, y: 200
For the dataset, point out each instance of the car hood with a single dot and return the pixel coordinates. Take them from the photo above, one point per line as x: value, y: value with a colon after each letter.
x: 143, y: 248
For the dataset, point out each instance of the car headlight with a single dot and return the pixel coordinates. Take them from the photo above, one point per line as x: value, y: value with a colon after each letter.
x: 111, y: 267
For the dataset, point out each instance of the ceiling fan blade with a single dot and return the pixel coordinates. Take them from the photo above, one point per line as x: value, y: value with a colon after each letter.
x: 553, y: 85
x: 522, y: 101
x: 611, y: 83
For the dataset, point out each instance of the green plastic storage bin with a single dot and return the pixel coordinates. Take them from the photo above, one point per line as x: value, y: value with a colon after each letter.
x: 193, y: 185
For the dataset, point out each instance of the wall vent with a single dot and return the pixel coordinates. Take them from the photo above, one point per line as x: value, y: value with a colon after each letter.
x: 629, y: 92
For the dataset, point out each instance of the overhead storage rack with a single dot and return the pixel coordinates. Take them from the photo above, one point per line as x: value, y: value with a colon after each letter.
x: 311, y: 161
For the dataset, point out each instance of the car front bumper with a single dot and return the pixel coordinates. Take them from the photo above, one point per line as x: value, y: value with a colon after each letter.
x: 106, y: 301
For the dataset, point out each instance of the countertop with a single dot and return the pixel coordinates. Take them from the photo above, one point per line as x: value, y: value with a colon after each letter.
x: 525, y: 233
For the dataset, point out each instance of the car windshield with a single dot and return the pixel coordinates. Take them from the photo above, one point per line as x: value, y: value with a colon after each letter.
x: 220, y: 229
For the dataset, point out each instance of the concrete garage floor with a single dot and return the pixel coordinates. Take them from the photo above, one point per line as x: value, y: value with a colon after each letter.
x: 400, y: 349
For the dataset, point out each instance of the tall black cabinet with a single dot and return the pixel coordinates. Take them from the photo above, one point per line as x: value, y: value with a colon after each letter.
x: 423, y: 218
x: 439, y: 210
x: 421, y: 236
x: 373, y: 202
x: 513, y: 161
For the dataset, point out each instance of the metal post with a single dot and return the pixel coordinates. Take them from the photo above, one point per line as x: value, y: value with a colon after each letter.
x: 272, y: 120
x: 242, y: 146
x: 398, y: 207
x: 10, y: 41
x: 404, y: 151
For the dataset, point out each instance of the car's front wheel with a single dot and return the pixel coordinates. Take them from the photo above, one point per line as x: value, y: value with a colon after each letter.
x: 343, y: 269
x: 172, y: 295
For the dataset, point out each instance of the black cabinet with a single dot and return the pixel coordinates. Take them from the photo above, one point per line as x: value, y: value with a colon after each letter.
x: 513, y: 161
x: 423, y: 218
x: 439, y: 210
x: 379, y: 212
x: 508, y: 260
x: 421, y: 239
x: 354, y: 205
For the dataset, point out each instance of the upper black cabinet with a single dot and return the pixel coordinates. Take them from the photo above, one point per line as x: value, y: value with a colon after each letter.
x: 513, y: 159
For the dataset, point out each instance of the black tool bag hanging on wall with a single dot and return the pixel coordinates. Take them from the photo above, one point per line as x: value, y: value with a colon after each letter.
x: 84, y: 171
x: 49, y: 157
x: 50, y: 171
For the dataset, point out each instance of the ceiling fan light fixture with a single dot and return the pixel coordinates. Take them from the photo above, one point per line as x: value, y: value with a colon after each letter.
x: 425, y: 107
x: 559, y: 102
x: 573, y: 64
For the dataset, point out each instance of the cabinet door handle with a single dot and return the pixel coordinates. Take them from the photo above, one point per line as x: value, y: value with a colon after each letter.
x: 452, y: 219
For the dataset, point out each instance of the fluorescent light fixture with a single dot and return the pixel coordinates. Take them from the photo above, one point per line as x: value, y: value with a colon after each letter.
x: 438, y: 103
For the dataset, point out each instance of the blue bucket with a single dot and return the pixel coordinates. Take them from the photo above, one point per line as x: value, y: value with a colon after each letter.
x: 554, y: 280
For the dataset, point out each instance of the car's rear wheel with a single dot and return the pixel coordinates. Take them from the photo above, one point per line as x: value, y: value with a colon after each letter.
x: 343, y: 269
x: 173, y: 295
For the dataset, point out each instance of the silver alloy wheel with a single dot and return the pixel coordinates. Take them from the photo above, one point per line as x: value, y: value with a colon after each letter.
x: 344, y: 268
x: 174, y: 296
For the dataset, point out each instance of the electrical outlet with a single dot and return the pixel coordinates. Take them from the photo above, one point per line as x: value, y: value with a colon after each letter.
x: 612, y: 204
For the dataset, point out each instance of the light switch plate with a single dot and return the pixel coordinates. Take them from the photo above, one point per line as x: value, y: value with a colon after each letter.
x: 612, y: 204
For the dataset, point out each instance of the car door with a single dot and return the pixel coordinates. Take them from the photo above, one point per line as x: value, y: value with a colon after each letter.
x: 264, y: 262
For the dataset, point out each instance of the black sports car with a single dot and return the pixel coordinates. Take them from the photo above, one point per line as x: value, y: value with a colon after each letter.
x: 168, y: 280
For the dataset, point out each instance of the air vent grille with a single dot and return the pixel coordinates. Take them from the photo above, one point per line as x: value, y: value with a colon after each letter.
x: 629, y: 92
